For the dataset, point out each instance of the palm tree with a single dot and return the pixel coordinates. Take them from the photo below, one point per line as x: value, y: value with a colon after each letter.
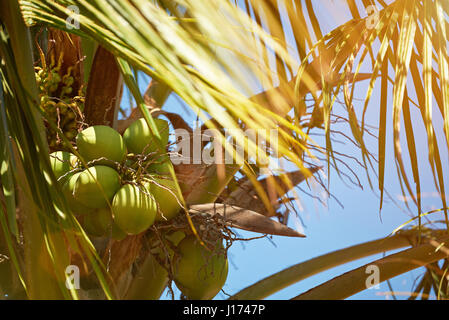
x: 228, y: 62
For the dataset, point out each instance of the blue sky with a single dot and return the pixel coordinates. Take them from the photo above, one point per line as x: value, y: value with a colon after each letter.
x: 332, y: 227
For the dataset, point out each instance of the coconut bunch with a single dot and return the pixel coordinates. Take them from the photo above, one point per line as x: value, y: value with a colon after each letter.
x: 122, y: 186
x: 121, y: 182
x: 199, y: 269
x: 58, y: 102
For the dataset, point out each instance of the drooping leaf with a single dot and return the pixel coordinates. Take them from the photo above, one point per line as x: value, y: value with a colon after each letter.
x: 298, y: 272
x: 245, y: 219
x: 354, y: 281
x: 245, y: 196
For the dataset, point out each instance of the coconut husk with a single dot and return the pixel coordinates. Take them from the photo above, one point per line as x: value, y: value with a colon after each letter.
x: 120, y: 256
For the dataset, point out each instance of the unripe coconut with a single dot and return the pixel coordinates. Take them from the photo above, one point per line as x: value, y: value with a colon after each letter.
x: 164, y: 191
x: 140, y: 139
x: 67, y: 189
x: 99, y: 222
x: 117, y: 233
x: 62, y: 162
x: 199, y: 273
x: 174, y: 237
x: 101, y: 141
x: 133, y: 210
x: 160, y: 164
x: 96, y: 186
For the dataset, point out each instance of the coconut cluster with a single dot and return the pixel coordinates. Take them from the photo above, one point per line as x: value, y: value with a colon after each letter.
x: 122, y: 184
x: 58, y: 102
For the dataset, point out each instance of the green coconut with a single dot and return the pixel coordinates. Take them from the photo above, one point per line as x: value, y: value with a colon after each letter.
x: 199, y: 273
x: 99, y: 222
x: 174, y: 237
x: 62, y: 162
x: 117, y: 233
x: 139, y: 139
x: 160, y: 164
x: 101, y: 142
x: 96, y: 186
x: 133, y: 210
x: 67, y: 189
x: 164, y: 191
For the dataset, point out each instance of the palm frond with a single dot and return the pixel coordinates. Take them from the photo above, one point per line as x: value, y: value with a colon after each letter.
x: 44, y: 216
x: 402, y: 24
x: 390, y: 266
